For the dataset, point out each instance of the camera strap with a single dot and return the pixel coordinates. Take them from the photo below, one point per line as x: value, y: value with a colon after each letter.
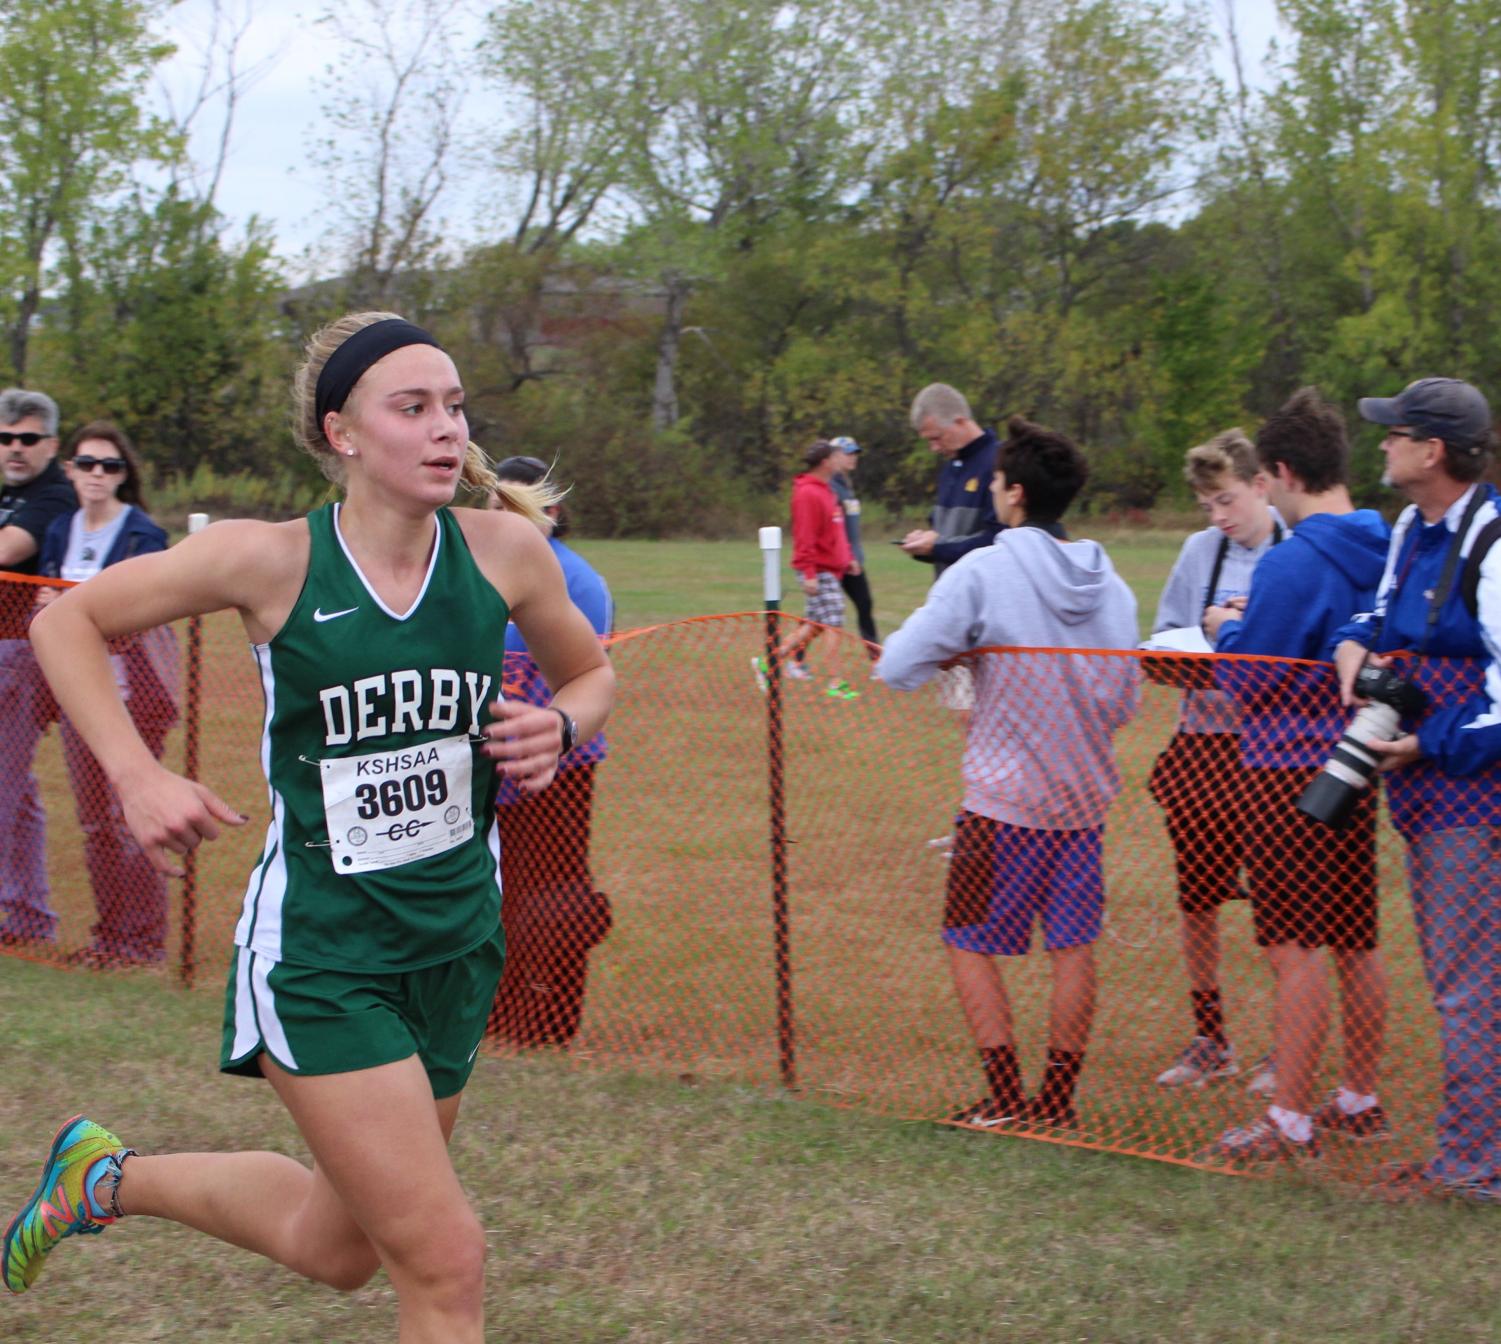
x: 1440, y: 594
x: 1221, y: 551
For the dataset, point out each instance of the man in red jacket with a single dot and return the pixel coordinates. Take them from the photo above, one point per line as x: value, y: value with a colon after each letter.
x: 821, y: 557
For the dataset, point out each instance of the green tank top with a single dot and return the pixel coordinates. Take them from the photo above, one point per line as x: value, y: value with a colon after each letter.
x: 382, y: 853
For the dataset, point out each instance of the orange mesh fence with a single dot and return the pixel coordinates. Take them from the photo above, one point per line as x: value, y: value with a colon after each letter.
x: 73, y: 883
x: 820, y: 881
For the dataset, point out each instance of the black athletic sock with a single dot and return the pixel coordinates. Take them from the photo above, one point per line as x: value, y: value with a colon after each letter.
x: 1056, y: 1096
x: 1209, y: 1015
x: 1004, y: 1075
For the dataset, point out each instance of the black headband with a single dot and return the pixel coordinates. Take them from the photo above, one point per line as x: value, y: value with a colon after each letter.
x: 347, y: 365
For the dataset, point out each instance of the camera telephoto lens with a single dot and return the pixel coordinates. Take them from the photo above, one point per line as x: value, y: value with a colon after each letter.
x: 1331, y: 794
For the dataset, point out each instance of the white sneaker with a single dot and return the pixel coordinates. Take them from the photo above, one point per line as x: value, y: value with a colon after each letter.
x: 1201, y: 1061
x: 795, y: 671
x: 758, y: 670
x: 1263, y: 1077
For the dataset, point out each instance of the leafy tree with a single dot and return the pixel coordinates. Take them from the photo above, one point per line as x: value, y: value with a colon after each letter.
x: 174, y: 331
x: 578, y: 77
x: 1201, y: 354
x: 392, y: 109
x: 72, y: 73
x: 721, y: 229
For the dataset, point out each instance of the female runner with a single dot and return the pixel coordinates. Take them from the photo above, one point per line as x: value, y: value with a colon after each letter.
x: 368, y: 950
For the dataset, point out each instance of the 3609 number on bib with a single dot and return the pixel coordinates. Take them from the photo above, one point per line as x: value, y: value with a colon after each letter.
x: 395, y: 807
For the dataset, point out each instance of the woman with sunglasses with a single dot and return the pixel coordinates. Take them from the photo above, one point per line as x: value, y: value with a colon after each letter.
x: 130, y: 896
x: 369, y: 948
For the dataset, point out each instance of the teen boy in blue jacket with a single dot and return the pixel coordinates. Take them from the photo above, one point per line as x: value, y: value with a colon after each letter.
x: 1444, y: 784
x: 1311, y: 888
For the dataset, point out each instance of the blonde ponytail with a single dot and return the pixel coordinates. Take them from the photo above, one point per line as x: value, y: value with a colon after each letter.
x: 530, y: 501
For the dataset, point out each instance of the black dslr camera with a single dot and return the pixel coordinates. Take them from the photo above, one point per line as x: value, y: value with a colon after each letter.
x: 1331, y: 794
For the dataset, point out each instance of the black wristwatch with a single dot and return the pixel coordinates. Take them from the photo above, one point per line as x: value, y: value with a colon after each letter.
x: 570, y: 729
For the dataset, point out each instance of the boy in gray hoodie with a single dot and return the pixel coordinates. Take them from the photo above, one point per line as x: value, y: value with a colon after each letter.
x: 1039, y: 763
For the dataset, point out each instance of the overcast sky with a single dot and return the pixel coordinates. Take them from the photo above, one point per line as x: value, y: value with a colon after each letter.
x: 267, y: 173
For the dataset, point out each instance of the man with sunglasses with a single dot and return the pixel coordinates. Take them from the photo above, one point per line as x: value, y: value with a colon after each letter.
x: 34, y: 492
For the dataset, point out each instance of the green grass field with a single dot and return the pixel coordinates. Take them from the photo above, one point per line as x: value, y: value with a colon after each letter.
x: 661, y: 1199
x: 667, y: 581
x: 644, y: 1210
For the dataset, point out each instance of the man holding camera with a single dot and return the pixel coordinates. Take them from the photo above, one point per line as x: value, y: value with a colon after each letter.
x: 1440, y: 597
x: 1311, y: 888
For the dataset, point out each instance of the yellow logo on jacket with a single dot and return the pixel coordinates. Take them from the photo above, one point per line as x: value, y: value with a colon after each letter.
x: 972, y: 484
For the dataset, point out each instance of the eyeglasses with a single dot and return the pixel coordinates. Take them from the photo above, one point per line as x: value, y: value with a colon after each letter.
x: 29, y: 439
x: 1405, y: 434
x: 111, y: 466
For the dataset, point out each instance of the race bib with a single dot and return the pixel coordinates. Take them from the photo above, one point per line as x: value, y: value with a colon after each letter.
x: 395, y: 807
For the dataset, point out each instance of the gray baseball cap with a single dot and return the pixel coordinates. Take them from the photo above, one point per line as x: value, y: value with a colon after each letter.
x: 1444, y: 408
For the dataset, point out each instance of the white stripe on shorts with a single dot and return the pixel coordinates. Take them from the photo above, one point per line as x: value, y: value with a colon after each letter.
x: 265, y: 1025
x: 246, y: 1035
x: 272, y: 1031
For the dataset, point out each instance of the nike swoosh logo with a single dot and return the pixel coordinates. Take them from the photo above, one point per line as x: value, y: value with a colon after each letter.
x: 320, y: 615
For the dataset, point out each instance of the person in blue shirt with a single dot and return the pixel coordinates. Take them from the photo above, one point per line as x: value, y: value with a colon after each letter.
x: 1440, y: 597
x: 552, y: 914
x: 1311, y: 887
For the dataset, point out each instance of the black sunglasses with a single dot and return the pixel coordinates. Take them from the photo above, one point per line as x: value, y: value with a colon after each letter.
x: 29, y: 439
x: 112, y: 466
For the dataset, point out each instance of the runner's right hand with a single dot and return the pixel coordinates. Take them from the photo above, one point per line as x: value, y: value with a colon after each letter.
x: 170, y: 816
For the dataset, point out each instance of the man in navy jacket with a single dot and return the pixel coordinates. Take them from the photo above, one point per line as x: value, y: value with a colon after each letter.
x: 964, y: 518
x: 1440, y: 598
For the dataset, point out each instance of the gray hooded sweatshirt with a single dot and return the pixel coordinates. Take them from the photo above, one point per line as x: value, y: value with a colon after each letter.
x: 1184, y: 598
x: 1040, y: 751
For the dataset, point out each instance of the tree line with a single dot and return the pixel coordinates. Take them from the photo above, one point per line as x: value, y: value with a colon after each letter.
x: 719, y: 229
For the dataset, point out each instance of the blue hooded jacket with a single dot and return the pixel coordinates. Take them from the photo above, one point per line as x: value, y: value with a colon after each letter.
x: 1303, y: 591
x: 1457, y: 781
